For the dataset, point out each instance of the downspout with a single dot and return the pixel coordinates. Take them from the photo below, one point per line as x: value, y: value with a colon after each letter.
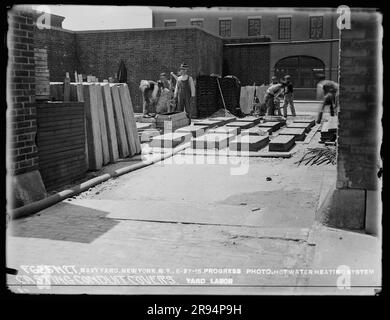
x: 331, y: 48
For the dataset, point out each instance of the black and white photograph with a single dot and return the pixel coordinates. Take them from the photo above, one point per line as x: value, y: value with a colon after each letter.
x: 157, y: 150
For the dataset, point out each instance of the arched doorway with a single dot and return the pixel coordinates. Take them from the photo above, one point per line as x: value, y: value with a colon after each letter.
x: 305, y: 71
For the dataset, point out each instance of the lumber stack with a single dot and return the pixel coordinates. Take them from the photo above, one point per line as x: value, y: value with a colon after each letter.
x: 61, y: 143
x: 231, y: 89
x: 111, y: 131
x: 208, y: 98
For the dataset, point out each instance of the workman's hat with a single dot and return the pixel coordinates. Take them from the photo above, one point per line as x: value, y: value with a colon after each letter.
x: 163, y: 74
x: 184, y: 66
x: 287, y: 77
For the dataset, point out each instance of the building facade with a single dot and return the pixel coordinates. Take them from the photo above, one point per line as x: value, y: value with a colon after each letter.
x: 302, y: 42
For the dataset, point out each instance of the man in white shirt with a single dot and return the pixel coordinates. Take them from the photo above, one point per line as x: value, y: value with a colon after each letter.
x: 273, y: 92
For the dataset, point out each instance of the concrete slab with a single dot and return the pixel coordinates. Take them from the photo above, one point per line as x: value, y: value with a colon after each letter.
x: 274, y: 119
x: 270, y: 124
x: 282, y: 143
x: 170, y: 140
x: 300, y: 125
x: 254, y: 120
x: 196, y: 131
x: 211, y: 141
x: 142, y: 126
x: 248, y: 143
x: 224, y: 119
x: 262, y: 153
x: 311, y: 122
x: 256, y: 131
x: 209, y: 123
x: 148, y: 134
x: 226, y: 130
x: 299, y: 133
x: 241, y: 124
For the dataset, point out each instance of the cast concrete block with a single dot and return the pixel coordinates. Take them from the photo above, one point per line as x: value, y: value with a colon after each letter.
x: 282, y: 143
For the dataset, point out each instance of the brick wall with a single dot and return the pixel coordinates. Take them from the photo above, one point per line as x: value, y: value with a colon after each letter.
x: 21, y: 112
x: 253, y: 60
x: 360, y: 104
x: 147, y: 53
x: 60, y: 45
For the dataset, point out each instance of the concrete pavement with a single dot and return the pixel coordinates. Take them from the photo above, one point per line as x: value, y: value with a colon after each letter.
x: 176, y: 227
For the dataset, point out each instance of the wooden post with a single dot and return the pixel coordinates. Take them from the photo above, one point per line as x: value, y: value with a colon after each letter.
x: 103, y: 128
x: 110, y: 123
x: 95, y: 155
x: 123, y: 146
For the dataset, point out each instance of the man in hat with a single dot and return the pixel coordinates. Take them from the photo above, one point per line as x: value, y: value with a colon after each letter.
x: 288, y: 96
x: 164, y: 94
x: 274, y: 80
x: 184, y: 95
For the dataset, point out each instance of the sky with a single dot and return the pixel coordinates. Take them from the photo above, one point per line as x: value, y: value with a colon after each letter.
x: 102, y: 17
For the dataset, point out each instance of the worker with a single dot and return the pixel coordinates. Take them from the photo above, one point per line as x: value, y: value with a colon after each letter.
x: 288, y: 96
x: 274, y: 80
x: 164, y: 80
x: 184, y: 95
x: 149, y: 91
x: 329, y: 100
x: 272, y: 93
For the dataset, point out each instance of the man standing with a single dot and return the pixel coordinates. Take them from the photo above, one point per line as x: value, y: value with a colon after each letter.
x: 288, y: 96
x: 274, y: 80
x: 184, y: 95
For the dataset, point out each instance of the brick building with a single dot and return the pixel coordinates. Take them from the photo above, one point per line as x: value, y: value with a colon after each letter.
x: 356, y: 200
x: 302, y: 42
x: 23, y: 175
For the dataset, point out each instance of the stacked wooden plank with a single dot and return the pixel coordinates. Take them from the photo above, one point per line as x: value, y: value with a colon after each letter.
x: 111, y: 131
x: 61, y: 143
x: 208, y: 98
x: 231, y: 89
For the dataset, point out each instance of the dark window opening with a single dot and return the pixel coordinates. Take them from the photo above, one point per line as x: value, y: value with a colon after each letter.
x: 254, y: 27
x: 305, y: 71
x: 170, y: 23
x: 225, y: 28
x: 316, y: 27
x: 198, y: 23
x: 284, y: 28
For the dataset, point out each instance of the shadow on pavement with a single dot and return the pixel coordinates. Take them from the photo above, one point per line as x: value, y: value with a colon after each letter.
x: 64, y: 221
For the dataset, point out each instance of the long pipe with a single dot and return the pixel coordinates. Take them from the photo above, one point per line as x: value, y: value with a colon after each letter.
x: 280, y: 42
x: 53, y: 199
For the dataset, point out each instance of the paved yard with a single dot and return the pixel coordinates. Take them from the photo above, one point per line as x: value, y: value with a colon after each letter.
x: 165, y: 227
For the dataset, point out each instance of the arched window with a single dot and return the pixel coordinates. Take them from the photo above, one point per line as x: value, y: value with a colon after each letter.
x: 305, y: 71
